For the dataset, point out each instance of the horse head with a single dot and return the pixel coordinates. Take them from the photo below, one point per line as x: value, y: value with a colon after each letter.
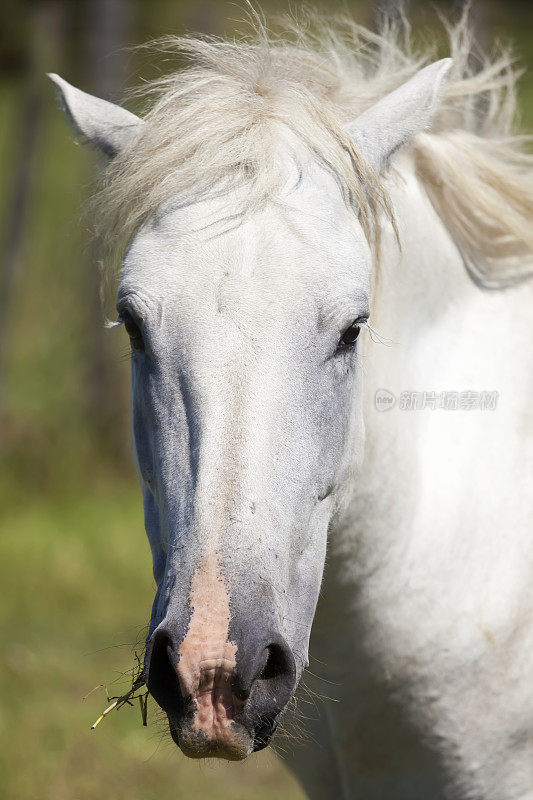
x: 246, y: 386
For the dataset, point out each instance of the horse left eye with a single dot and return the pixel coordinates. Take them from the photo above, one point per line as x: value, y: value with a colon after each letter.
x: 350, y: 334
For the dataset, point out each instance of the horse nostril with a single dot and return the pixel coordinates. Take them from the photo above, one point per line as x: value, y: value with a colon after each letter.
x: 274, y: 687
x: 271, y: 670
x: 277, y: 663
x: 163, y: 681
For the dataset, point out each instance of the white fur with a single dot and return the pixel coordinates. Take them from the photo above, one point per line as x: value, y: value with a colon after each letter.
x: 214, y: 125
x: 248, y: 423
x: 428, y: 593
x: 397, y: 118
x: 105, y: 125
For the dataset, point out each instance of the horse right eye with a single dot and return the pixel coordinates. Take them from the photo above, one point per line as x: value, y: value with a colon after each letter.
x: 133, y: 330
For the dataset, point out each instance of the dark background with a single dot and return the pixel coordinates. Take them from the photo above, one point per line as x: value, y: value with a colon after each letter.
x: 75, y: 568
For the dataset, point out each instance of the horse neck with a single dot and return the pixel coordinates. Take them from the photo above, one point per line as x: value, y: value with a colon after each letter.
x: 421, y: 292
x: 436, y: 331
x: 430, y: 483
x: 419, y: 281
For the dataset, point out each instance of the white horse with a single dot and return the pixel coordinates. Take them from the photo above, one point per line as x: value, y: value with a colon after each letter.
x: 272, y: 224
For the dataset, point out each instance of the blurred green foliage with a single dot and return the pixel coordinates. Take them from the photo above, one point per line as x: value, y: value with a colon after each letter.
x: 74, y: 563
x: 76, y: 586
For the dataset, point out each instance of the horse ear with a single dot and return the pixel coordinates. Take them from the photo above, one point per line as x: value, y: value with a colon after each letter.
x: 104, y: 125
x: 396, y: 119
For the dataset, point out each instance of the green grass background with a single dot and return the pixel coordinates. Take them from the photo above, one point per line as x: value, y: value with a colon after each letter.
x: 75, y: 571
x: 76, y: 584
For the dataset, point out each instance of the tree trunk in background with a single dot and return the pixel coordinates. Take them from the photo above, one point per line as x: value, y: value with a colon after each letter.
x: 391, y: 9
x: 105, y: 33
x: 45, y: 30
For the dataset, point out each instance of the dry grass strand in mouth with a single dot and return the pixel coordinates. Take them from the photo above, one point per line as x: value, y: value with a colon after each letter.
x: 136, y: 692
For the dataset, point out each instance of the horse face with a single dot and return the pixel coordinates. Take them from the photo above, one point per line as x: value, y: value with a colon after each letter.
x: 244, y: 404
x: 245, y: 391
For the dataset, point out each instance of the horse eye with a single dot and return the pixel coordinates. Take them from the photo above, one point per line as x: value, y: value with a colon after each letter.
x: 350, y: 334
x: 133, y: 331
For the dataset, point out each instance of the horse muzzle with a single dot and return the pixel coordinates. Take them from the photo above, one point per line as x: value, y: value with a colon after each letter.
x: 222, y: 700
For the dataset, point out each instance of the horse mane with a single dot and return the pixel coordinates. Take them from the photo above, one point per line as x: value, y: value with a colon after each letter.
x: 213, y: 124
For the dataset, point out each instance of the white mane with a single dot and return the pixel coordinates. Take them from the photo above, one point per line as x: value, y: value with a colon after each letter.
x: 214, y: 123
